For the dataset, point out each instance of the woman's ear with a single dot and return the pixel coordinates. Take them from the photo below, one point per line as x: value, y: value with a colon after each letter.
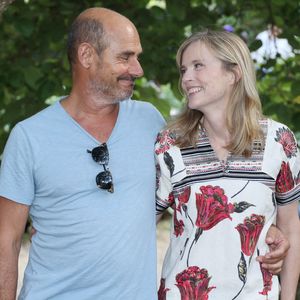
x: 236, y: 71
x: 85, y: 54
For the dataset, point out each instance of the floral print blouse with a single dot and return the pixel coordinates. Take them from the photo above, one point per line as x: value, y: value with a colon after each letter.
x: 222, y: 212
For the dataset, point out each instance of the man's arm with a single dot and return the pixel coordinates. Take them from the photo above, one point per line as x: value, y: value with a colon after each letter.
x: 13, y: 218
x: 279, y: 246
x: 158, y: 218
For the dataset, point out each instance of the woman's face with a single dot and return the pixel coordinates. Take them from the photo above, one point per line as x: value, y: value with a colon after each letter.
x: 205, y: 82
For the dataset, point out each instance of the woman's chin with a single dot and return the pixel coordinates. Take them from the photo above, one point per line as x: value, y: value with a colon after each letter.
x: 193, y: 105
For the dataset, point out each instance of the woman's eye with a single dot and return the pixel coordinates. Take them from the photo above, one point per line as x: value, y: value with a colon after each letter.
x: 182, y: 71
x: 198, y: 65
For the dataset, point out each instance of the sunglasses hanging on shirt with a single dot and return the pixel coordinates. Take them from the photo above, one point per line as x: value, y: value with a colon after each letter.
x: 104, y: 179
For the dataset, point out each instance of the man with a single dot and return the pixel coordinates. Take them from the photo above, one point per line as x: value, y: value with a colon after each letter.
x: 95, y: 238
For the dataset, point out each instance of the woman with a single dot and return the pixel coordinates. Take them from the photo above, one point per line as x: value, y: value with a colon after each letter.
x: 229, y: 173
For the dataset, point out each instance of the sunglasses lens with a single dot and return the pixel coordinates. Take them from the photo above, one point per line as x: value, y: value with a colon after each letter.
x: 100, y: 154
x: 104, y: 181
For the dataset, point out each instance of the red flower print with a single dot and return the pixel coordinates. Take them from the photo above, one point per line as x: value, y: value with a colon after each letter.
x: 171, y: 198
x: 212, y: 207
x: 178, y: 225
x: 184, y: 197
x: 162, y: 292
x: 249, y: 232
x: 193, y: 284
x: 284, y: 181
x: 286, y: 138
x: 267, y: 278
x: 165, y: 140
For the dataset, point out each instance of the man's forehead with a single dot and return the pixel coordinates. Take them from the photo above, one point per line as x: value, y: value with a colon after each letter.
x: 127, y: 43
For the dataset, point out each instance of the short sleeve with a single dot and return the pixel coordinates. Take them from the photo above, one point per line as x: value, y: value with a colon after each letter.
x: 163, y: 186
x: 287, y: 188
x: 169, y: 169
x: 16, y: 174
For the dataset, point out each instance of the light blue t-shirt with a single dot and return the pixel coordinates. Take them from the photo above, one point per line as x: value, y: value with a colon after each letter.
x: 90, y: 244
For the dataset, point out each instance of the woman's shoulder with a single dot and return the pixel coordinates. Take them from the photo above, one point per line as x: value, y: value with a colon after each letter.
x: 281, y: 135
x: 164, y: 141
x: 272, y: 127
x: 272, y: 124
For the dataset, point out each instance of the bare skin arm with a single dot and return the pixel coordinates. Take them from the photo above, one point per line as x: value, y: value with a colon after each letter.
x: 13, y: 217
x: 158, y: 218
x: 279, y: 246
x: 289, y: 223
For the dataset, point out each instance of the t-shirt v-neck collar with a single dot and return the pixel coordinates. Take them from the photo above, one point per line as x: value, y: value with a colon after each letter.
x: 114, y: 130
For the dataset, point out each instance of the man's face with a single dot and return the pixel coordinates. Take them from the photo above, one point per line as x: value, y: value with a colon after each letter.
x: 114, y: 72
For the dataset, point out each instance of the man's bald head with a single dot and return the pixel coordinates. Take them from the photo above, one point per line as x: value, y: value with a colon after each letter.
x: 94, y: 26
x: 107, y: 17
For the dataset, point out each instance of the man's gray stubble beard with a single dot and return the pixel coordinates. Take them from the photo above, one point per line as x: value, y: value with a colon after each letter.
x: 98, y: 88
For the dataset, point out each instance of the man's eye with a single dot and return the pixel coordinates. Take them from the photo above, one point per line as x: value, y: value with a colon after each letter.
x: 125, y: 58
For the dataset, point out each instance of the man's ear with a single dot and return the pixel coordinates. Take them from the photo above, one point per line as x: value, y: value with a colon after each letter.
x: 85, y: 54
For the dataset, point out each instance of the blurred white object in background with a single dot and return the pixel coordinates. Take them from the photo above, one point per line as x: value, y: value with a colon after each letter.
x: 271, y: 46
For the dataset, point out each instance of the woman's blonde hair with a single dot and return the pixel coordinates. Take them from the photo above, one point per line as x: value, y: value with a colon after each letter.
x: 244, y: 108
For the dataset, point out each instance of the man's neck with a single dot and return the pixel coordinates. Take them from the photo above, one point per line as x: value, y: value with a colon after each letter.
x: 97, y: 119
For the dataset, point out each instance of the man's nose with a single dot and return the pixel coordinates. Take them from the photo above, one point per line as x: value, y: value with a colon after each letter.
x: 135, y: 68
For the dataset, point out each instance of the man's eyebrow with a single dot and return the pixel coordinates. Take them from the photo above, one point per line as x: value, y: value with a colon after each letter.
x: 130, y: 53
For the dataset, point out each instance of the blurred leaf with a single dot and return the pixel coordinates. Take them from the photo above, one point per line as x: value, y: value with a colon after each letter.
x: 296, y: 87
x: 256, y: 44
x: 175, y: 11
x: 25, y: 27
x: 270, y: 63
x: 32, y: 75
x: 297, y: 39
x: 297, y: 101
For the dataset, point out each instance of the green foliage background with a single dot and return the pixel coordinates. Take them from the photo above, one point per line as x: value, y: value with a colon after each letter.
x: 34, y: 65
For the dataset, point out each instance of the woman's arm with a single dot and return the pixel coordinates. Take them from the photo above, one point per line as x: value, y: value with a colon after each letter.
x: 288, y: 222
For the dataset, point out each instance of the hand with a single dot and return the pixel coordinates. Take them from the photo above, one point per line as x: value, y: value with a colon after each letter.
x: 279, y: 246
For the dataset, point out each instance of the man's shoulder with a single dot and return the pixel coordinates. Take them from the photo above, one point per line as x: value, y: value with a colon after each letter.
x: 139, y: 104
x: 40, y: 117
x: 143, y: 109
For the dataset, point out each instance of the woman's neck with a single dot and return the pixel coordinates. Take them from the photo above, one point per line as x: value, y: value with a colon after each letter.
x: 218, y: 135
